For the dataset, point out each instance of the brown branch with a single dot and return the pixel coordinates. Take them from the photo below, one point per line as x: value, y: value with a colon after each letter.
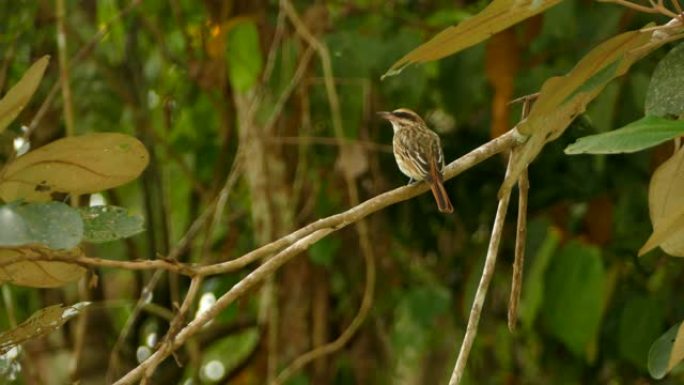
x: 481, y: 293
x: 656, y: 7
x: 519, y: 261
x: 239, y: 289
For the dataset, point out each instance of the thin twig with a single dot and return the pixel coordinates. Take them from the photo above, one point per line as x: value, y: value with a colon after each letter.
x: 519, y: 261
x: 239, y: 289
x: 658, y: 7
x: 483, y: 286
x: 145, y: 298
x: 326, y: 141
x: 177, y: 321
x: 85, y: 50
x: 377, y: 203
x: 336, y: 222
x: 64, y: 69
x: 301, y: 239
x: 352, y: 191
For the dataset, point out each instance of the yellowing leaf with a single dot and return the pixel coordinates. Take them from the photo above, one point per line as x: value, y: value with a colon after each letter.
x: 499, y: 15
x: 39, y: 324
x: 562, y: 98
x: 75, y: 165
x: 17, y: 269
x: 18, y: 96
x: 666, y: 206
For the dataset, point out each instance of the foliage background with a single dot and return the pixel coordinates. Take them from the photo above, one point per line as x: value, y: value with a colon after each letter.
x: 178, y: 75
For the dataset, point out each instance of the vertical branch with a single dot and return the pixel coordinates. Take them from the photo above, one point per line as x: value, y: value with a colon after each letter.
x: 519, y: 261
x: 352, y: 192
x: 64, y: 69
x: 483, y: 286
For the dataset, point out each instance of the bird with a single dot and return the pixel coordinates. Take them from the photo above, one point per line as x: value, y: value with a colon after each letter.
x: 418, y: 152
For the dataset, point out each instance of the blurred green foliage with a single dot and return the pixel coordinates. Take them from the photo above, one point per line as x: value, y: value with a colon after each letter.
x: 172, y: 73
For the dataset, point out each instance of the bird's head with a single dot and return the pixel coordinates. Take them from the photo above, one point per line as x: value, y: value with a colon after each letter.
x: 401, y: 118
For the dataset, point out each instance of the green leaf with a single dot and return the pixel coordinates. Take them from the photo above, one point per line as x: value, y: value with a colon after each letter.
x: 226, y: 354
x: 244, y: 55
x: 573, y: 298
x: 646, y: 132
x: 533, y: 289
x: 53, y: 224
x: 109, y: 223
x: 665, y: 352
x: 640, y: 323
x: 665, y: 96
x: 18, y: 96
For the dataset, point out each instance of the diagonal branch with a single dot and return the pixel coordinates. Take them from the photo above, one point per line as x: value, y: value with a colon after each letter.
x: 481, y: 294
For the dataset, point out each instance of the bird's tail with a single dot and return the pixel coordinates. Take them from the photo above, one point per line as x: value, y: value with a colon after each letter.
x: 441, y: 196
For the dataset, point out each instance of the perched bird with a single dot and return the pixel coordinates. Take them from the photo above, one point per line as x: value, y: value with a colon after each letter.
x: 418, y: 152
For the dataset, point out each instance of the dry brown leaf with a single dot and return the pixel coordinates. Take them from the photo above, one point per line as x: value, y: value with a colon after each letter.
x: 497, y: 16
x: 75, y: 165
x: 39, y: 324
x: 18, y: 96
x: 562, y: 98
x: 666, y: 206
x: 38, y: 273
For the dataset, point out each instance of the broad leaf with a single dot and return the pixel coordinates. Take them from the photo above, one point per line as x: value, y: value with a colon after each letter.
x: 665, y: 96
x: 646, y: 132
x: 53, y: 224
x: 499, y: 15
x: 18, y: 96
x: 40, y: 323
x: 226, y: 354
x: 666, y: 206
x: 109, y: 223
x: 666, y: 352
x: 563, y: 98
x: 573, y: 296
x: 17, y: 269
x: 75, y: 165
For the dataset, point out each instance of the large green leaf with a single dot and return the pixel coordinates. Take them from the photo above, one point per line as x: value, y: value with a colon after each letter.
x: 18, y: 96
x: 665, y: 96
x: 53, y: 224
x: 573, y: 298
x: 640, y: 323
x: 646, y: 132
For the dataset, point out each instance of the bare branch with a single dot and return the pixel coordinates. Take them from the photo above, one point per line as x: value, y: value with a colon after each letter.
x: 519, y: 261
x: 239, y: 289
x: 481, y: 294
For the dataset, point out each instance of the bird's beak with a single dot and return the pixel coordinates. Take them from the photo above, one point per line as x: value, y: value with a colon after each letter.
x: 385, y: 115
